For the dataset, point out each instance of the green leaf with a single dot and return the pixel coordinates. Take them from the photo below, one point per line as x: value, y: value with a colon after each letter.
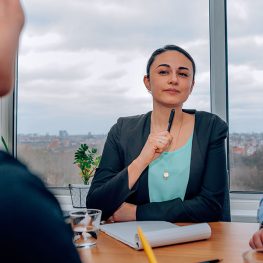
x: 4, y: 143
x: 87, y: 160
x: 94, y: 150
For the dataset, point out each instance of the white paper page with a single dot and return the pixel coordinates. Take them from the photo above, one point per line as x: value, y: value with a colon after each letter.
x: 126, y: 231
x: 177, y: 235
x: 159, y: 233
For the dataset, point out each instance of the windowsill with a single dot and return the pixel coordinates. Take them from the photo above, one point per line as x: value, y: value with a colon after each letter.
x: 243, y: 206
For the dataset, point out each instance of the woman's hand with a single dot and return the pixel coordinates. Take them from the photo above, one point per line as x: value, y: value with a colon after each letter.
x: 156, y: 144
x: 126, y: 212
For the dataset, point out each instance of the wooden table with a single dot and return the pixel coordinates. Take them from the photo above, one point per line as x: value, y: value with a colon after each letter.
x: 228, y: 242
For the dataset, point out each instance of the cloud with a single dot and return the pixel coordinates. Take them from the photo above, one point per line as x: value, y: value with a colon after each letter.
x: 117, y: 24
x: 114, y: 75
x: 81, y: 63
x: 244, y: 19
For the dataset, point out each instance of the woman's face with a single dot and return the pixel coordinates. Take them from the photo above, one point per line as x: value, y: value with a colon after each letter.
x: 171, y: 79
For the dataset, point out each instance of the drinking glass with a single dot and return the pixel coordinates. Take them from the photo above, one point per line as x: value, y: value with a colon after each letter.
x: 85, y: 224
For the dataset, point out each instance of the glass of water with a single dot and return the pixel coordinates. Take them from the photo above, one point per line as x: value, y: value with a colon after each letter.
x: 85, y: 224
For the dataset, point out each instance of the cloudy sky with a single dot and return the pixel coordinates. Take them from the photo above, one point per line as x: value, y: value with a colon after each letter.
x: 81, y: 62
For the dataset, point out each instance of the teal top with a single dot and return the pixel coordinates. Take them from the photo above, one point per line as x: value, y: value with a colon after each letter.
x: 169, y: 174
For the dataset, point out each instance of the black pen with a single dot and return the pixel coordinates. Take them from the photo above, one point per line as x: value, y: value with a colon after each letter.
x: 211, y: 261
x: 171, y: 118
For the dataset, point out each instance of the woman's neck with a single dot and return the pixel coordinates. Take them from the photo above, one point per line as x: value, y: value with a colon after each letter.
x: 160, y: 117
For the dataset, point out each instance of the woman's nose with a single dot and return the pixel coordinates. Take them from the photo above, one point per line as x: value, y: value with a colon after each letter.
x: 173, y: 78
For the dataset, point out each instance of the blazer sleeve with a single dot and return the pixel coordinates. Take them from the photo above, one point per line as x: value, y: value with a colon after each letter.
x: 208, y: 204
x: 109, y: 188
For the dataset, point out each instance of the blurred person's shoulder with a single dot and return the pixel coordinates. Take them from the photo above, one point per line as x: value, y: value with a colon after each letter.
x: 19, y: 186
x: 31, y: 217
x: 14, y: 172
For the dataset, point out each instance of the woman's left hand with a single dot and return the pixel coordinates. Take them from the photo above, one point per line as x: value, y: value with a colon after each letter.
x: 126, y: 212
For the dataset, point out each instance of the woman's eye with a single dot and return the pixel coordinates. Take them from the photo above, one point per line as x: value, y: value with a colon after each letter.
x: 163, y: 72
x: 182, y: 74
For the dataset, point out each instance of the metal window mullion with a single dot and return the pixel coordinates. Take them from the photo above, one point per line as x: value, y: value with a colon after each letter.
x: 15, y: 108
x: 8, y: 113
x: 218, y: 58
x: 219, y: 61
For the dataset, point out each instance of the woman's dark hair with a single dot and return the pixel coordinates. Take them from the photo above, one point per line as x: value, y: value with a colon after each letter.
x: 169, y: 48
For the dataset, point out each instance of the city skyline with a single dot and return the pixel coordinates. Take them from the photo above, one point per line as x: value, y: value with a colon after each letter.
x: 52, y: 157
x: 89, y: 133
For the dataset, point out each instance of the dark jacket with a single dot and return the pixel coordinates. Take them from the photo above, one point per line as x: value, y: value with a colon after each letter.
x: 207, y: 187
x: 32, y: 226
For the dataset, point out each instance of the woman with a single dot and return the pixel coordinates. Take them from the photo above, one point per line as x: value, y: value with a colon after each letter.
x: 148, y: 173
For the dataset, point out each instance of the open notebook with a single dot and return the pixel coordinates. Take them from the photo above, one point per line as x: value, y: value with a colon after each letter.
x: 158, y: 233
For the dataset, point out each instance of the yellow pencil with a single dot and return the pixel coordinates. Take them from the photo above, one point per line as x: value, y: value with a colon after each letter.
x: 147, y: 248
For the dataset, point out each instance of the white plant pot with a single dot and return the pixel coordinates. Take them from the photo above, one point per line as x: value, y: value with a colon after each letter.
x: 79, y: 194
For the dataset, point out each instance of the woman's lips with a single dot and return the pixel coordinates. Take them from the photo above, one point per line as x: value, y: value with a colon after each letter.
x: 172, y: 91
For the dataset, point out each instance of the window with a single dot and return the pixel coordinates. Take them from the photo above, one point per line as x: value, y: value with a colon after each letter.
x: 81, y: 66
x: 245, y: 44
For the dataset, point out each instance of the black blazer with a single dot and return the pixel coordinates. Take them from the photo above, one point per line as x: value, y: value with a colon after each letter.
x: 207, y: 186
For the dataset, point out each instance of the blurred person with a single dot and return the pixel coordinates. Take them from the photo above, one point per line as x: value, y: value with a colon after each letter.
x: 150, y: 173
x: 11, y: 23
x: 256, y: 240
x: 32, y: 226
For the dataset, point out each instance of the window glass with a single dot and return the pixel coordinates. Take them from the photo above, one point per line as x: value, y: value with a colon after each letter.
x: 245, y: 45
x: 81, y: 66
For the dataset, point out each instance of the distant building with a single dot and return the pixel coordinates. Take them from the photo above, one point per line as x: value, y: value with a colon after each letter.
x: 238, y: 150
x: 63, y: 134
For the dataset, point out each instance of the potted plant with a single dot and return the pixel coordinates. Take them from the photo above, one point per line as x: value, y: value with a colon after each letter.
x: 87, y: 159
